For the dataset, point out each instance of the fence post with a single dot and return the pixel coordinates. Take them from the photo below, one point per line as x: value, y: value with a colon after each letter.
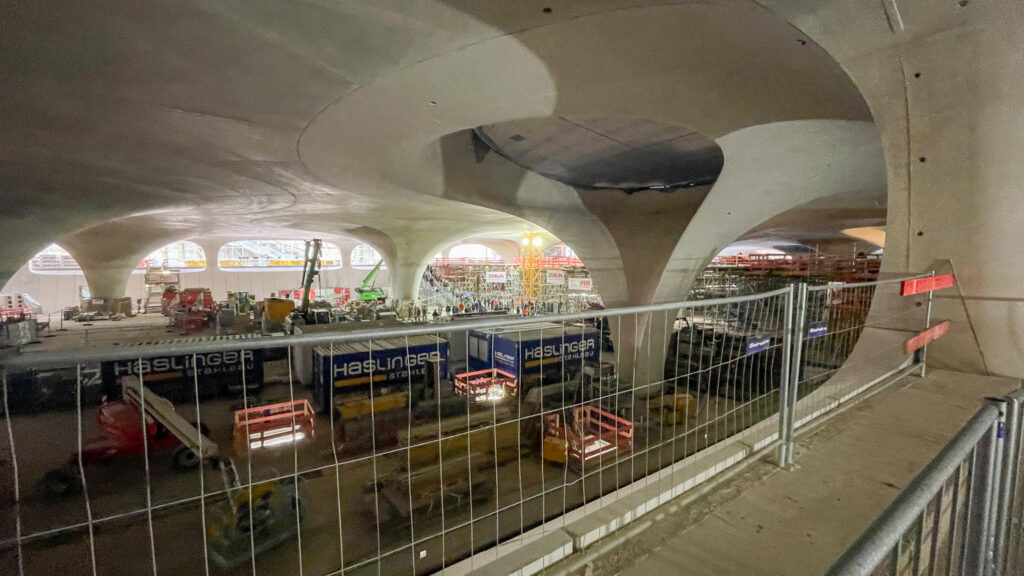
x: 927, y: 325
x: 982, y: 497
x: 793, y: 396
x: 1006, y: 504
x: 785, y: 431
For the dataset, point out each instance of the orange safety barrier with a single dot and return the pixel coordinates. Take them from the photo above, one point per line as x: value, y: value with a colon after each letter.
x: 593, y: 432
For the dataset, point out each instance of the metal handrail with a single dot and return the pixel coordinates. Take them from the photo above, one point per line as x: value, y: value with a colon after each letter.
x: 870, y: 283
x: 80, y: 355
x: 885, y: 532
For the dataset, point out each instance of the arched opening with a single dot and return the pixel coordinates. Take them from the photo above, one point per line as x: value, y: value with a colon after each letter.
x: 365, y: 256
x: 183, y: 256
x: 474, y: 253
x: 283, y: 255
x: 561, y: 251
x: 54, y: 260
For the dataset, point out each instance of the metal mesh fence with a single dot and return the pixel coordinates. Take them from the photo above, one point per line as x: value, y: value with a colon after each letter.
x: 358, y: 455
x: 830, y: 367
x: 415, y: 449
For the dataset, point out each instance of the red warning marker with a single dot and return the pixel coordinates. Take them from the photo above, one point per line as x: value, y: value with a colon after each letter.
x: 924, y: 337
x: 919, y: 285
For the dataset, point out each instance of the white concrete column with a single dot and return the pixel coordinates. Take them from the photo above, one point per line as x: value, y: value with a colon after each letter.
x: 409, y: 262
x: 646, y: 227
x: 106, y: 281
x: 109, y: 253
x: 211, y: 277
x: 210, y: 248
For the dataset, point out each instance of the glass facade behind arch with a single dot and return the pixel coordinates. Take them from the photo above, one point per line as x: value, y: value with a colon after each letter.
x: 364, y: 256
x: 276, y: 254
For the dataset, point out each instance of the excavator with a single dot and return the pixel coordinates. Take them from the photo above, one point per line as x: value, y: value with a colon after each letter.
x: 372, y: 293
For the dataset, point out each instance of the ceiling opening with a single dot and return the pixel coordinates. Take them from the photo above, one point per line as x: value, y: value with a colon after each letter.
x: 629, y: 154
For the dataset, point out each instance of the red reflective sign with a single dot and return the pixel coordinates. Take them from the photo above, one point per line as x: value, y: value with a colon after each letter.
x: 919, y: 285
x: 926, y: 336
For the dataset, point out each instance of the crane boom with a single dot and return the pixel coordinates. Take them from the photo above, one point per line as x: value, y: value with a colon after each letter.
x: 370, y: 276
x: 310, y: 269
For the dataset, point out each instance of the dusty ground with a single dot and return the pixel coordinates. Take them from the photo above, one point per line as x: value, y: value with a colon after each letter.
x: 59, y: 539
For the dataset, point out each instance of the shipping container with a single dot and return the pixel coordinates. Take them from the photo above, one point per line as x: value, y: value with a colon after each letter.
x: 177, y: 377
x: 346, y: 367
x: 173, y: 377
x: 556, y: 352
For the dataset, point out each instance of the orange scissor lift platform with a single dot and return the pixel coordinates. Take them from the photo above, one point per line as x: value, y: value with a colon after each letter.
x: 272, y: 424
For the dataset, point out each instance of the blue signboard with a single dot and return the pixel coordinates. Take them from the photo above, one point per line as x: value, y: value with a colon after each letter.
x: 817, y: 329
x: 757, y: 344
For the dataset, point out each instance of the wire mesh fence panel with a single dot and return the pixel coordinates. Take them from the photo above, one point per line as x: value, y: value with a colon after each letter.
x: 849, y: 337
x: 402, y: 453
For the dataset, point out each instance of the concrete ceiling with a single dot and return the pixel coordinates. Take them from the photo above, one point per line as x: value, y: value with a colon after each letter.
x: 623, y: 153
x: 130, y: 125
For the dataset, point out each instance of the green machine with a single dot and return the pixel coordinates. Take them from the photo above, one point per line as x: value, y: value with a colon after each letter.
x: 371, y: 293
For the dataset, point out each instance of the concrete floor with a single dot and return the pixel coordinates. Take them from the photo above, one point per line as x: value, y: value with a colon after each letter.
x: 45, y: 441
x: 772, y: 522
x: 71, y: 334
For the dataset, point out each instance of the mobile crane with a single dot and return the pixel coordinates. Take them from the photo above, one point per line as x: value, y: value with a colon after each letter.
x: 305, y: 314
x: 372, y: 293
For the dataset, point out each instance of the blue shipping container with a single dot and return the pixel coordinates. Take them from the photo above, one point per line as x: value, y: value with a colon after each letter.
x: 394, y: 361
x: 526, y: 351
x: 175, y: 376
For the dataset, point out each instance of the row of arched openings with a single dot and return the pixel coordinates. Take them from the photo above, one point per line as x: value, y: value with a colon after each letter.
x: 240, y: 255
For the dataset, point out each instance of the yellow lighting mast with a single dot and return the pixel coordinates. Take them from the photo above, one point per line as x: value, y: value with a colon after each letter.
x: 531, y: 264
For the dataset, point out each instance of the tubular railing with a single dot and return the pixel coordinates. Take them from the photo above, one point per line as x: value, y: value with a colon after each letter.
x: 401, y: 472
x: 831, y: 362
x: 962, y: 514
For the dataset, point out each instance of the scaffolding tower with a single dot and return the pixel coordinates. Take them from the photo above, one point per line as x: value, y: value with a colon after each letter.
x: 533, y: 256
x: 157, y: 281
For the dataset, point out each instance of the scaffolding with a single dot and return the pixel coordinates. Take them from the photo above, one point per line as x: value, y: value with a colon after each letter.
x: 158, y: 280
x: 531, y: 264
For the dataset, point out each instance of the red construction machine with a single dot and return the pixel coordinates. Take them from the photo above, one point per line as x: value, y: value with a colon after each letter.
x: 191, y: 309
x: 121, y: 426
